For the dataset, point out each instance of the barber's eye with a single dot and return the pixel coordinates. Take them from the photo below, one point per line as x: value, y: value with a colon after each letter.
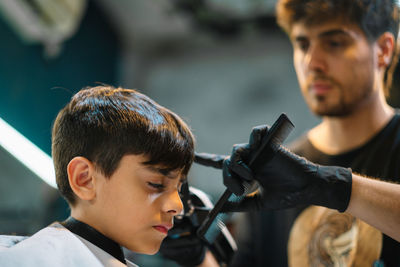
x: 302, y: 45
x: 335, y: 44
x: 156, y: 186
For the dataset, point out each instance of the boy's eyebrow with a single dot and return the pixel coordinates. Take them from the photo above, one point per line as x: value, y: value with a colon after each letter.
x: 167, y: 172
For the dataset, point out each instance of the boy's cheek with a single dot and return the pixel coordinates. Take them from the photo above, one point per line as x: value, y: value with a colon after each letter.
x: 152, y: 197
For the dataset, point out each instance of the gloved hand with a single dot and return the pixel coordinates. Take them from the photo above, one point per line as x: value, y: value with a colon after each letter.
x: 182, y: 244
x: 287, y: 179
x: 232, y: 181
x: 184, y: 247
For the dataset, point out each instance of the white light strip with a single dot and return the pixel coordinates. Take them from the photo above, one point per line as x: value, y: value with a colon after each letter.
x: 27, y: 153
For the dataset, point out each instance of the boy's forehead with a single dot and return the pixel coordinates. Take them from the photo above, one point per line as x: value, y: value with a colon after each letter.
x: 141, y: 162
x: 165, y: 171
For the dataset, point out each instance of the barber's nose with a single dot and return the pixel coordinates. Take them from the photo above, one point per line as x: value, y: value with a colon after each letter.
x: 173, y: 204
x: 316, y: 59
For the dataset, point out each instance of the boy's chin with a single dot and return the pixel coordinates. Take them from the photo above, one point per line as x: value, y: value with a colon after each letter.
x: 148, y: 249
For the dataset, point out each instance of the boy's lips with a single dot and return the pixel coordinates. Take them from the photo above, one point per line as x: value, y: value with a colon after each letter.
x: 163, y: 228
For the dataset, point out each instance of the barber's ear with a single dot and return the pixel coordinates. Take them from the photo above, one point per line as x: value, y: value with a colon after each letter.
x: 386, y: 48
x: 81, y: 178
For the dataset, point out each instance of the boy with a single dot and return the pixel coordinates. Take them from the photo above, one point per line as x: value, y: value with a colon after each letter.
x: 120, y: 159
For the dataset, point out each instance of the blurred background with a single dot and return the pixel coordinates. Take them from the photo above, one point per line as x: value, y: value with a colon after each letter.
x: 223, y: 65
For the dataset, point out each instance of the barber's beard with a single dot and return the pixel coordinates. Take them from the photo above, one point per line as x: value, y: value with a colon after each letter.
x: 339, y: 109
x: 343, y: 107
x: 344, y: 104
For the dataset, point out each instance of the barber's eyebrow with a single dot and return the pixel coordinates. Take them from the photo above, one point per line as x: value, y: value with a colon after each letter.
x: 334, y: 32
x: 300, y: 38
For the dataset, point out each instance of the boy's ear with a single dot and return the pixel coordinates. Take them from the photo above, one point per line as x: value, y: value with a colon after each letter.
x: 386, y: 48
x: 81, y: 178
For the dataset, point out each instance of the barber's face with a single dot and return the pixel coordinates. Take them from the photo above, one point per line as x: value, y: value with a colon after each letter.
x: 335, y: 66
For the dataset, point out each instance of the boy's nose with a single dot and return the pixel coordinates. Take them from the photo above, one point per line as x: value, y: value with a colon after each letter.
x: 174, y: 203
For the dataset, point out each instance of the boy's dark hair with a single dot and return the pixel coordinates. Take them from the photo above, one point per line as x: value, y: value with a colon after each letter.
x: 104, y: 123
x: 373, y: 17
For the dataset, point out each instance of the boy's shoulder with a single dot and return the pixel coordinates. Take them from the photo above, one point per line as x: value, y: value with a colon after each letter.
x: 7, y: 241
x: 51, y: 246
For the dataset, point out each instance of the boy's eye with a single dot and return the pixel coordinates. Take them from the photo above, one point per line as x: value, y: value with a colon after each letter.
x: 156, y: 186
x: 180, y: 186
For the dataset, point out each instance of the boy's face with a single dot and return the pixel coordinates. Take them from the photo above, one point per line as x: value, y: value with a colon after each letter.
x: 135, y: 207
x: 336, y: 66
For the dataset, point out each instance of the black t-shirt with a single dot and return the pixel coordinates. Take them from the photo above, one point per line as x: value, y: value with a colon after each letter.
x: 267, y: 232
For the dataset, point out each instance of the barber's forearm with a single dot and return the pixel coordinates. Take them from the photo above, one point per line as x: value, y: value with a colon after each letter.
x: 377, y: 203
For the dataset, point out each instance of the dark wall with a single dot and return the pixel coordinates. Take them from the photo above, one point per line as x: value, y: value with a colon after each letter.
x: 33, y: 88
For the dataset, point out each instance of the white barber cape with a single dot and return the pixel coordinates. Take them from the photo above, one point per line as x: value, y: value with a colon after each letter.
x: 54, y: 246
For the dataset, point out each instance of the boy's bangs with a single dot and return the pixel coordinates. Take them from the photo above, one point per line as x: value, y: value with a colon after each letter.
x: 171, y: 148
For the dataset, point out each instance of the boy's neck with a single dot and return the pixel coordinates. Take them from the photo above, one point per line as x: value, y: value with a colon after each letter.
x: 336, y: 135
x: 95, y: 237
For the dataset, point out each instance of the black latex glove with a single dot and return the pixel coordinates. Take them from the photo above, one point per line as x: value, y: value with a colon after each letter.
x: 287, y: 179
x: 184, y: 247
x: 234, y: 182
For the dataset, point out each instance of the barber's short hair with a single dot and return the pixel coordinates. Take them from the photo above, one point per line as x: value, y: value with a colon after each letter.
x: 104, y: 123
x: 373, y: 17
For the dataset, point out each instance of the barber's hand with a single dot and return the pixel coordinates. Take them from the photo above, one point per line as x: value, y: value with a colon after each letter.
x: 184, y: 247
x: 235, y: 183
x: 236, y: 173
x: 287, y: 179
